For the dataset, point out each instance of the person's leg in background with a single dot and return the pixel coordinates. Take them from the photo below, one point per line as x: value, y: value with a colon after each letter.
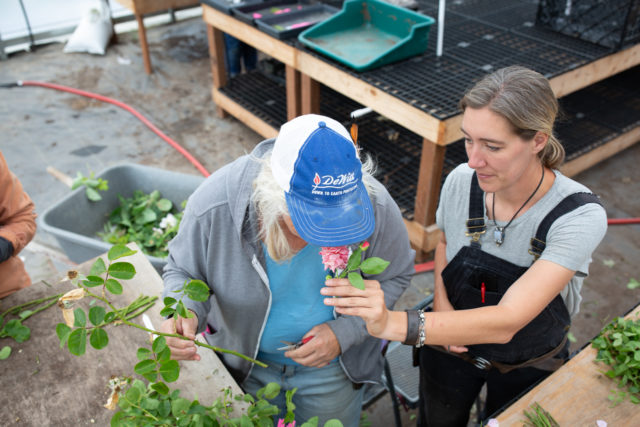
x: 249, y: 57
x: 232, y: 55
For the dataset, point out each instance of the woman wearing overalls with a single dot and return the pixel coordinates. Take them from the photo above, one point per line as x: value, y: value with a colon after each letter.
x: 516, y: 243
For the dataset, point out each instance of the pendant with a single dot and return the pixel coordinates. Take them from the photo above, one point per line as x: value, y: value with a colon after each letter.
x: 498, y: 235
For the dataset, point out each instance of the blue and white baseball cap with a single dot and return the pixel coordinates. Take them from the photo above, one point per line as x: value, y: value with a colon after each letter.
x: 316, y: 163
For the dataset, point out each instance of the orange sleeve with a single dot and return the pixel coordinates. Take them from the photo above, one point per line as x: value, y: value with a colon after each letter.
x: 17, y: 211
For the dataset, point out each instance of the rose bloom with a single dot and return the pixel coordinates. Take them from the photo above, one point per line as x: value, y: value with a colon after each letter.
x: 335, y: 258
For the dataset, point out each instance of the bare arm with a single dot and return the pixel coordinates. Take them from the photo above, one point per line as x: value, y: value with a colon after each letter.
x: 524, y: 300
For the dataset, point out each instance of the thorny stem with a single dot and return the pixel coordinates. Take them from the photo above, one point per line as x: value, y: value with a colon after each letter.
x: 164, y: 334
x: 27, y: 304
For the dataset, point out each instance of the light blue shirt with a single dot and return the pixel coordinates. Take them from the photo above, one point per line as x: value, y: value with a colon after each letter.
x: 296, y: 302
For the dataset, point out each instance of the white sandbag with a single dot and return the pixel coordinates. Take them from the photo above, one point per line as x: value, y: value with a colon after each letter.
x: 94, y: 31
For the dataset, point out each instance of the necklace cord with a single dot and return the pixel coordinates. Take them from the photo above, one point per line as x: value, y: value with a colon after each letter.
x: 493, y: 210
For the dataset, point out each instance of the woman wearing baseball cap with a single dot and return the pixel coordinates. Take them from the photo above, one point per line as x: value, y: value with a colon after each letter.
x: 253, y: 232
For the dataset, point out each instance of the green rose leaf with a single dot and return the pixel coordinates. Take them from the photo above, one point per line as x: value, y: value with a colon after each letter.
x: 146, y: 216
x: 143, y: 353
x: 164, y: 205
x: 356, y: 280
x: 311, y: 422
x: 122, y: 270
x: 150, y: 404
x: 77, y: 342
x: 147, y: 369
x: 62, y: 331
x: 99, y: 339
x: 167, y: 311
x: 24, y: 314
x: 159, y: 344
x: 96, y: 315
x: 170, y: 370
x: 633, y: 284
x: 182, y: 310
x: 168, y: 301
x: 161, y: 388
x: 98, y: 268
x: 197, y: 290
x: 113, y: 286
x: 270, y: 391
x: 109, y: 317
x: 245, y: 421
x: 133, y: 395
x: 79, y: 318
x: 5, y: 352
x: 180, y: 406
x: 373, y: 265
x: 354, y: 259
x: 119, y: 251
x: 333, y: 423
x: 93, y: 281
x: 93, y: 195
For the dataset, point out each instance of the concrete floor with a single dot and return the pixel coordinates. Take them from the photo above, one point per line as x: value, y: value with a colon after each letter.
x: 42, y: 128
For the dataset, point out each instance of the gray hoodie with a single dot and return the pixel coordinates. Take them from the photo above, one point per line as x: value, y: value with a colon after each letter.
x: 218, y: 243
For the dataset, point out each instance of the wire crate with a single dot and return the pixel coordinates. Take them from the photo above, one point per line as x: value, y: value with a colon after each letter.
x: 609, y: 23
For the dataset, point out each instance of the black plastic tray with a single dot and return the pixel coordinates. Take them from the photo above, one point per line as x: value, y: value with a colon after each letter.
x: 227, y: 6
x: 251, y: 12
x: 291, y: 24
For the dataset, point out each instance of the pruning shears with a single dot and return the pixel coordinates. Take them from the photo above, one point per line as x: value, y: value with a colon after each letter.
x: 294, y: 345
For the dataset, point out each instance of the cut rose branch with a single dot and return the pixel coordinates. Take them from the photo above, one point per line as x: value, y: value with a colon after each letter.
x: 341, y: 264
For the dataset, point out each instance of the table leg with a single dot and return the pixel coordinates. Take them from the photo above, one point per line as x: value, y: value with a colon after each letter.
x: 143, y: 43
x: 293, y: 92
x: 309, y: 95
x: 216, y: 59
x: 429, y: 179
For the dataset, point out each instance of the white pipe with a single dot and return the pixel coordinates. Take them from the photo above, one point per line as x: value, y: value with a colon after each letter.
x: 441, y: 7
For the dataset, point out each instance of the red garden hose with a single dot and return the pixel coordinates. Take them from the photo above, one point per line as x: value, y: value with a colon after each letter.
x: 126, y: 107
x: 419, y: 268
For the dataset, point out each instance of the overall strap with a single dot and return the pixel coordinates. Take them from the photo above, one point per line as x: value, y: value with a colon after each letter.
x: 475, y: 223
x: 568, y: 204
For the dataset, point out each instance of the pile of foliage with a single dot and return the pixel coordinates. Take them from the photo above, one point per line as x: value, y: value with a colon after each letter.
x: 149, y: 220
x: 618, y: 346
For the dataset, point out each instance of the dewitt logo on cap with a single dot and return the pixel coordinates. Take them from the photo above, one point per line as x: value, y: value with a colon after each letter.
x: 328, y: 185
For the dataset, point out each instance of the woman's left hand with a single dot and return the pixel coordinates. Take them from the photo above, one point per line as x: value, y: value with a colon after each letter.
x: 319, y: 350
x: 368, y: 303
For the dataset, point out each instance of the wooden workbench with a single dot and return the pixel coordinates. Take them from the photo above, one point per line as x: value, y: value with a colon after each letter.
x: 306, y: 71
x: 43, y: 384
x: 577, y: 395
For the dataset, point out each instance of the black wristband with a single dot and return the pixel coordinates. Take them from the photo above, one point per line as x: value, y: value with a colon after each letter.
x: 413, y: 320
x: 6, y: 249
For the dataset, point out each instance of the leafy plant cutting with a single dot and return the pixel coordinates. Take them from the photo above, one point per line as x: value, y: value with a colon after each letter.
x: 618, y: 346
x: 342, y: 264
x: 92, y: 185
x: 14, y: 328
x: 147, y: 219
x: 154, y: 403
x: 539, y: 417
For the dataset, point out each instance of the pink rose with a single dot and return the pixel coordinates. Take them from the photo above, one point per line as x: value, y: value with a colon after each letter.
x: 282, y: 424
x: 335, y: 258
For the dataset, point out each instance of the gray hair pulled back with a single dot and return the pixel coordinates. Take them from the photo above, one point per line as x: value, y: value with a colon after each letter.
x: 525, y: 98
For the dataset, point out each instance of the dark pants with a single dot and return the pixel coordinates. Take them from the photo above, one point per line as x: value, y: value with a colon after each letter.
x: 450, y: 385
x: 237, y: 52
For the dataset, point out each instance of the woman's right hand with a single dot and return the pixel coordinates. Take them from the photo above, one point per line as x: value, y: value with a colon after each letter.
x: 368, y: 303
x: 182, y: 349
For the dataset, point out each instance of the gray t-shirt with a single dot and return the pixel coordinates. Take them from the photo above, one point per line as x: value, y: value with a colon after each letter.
x: 570, y: 242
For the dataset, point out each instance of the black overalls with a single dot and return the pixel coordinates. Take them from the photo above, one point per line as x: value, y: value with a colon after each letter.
x: 473, y: 278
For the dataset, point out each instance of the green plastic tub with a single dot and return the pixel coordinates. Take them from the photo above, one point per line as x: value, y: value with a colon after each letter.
x: 367, y: 34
